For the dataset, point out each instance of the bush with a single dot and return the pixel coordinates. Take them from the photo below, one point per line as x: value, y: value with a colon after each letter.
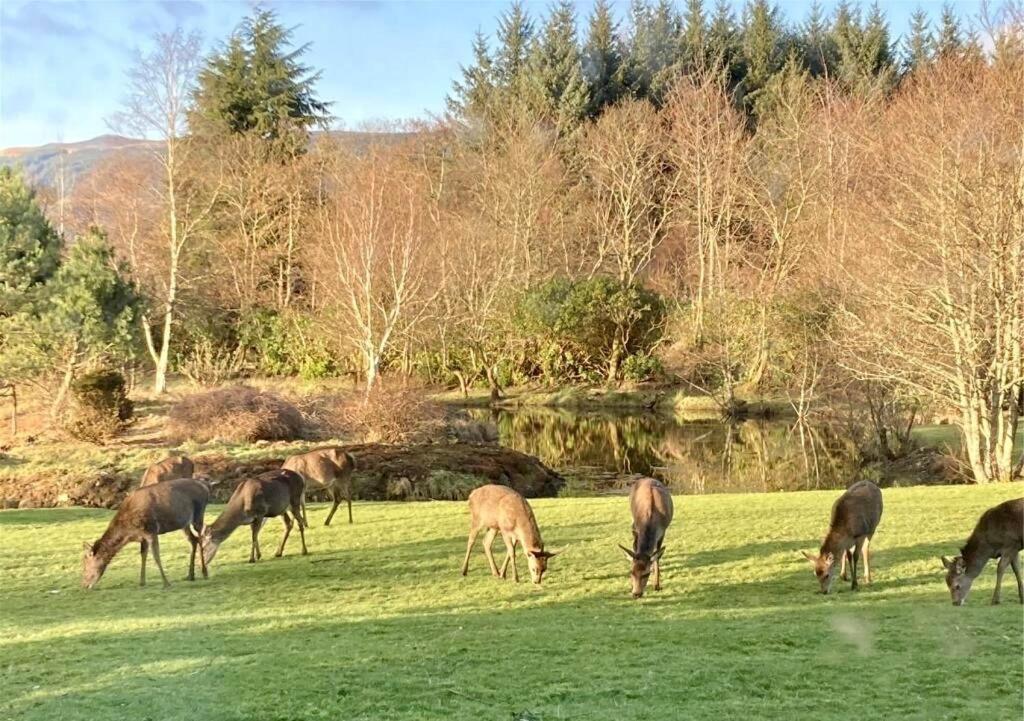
x: 387, y: 415
x: 236, y: 413
x: 100, y: 408
x: 641, y: 367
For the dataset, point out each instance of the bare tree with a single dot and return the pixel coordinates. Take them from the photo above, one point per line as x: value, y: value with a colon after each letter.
x: 624, y: 158
x: 940, y: 307
x: 372, y: 252
x: 156, y: 106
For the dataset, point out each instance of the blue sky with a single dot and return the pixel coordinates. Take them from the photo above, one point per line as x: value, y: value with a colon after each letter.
x: 62, y: 62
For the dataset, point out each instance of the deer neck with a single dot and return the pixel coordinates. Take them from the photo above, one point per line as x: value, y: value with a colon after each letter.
x: 975, y: 554
x: 112, y: 541
x: 226, y: 523
x: 837, y: 543
x: 529, y: 537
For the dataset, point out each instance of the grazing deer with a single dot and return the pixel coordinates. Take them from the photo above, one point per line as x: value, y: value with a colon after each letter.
x: 999, y: 534
x: 651, y: 505
x: 168, y: 469
x: 855, y: 517
x: 255, y: 500
x: 145, y: 514
x: 326, y: 468
x: 500, y: 509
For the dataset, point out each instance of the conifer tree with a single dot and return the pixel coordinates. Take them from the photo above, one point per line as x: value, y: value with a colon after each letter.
x: 471, y: 97
x: 556, y: 88
x: 603, y: 66
x: 29, y: 245
x: 654, y: 49
x: 515, y: 38
x: 763, y: 49
x: 818, y: 48
x: 694, y: 38
x: 919, y: 44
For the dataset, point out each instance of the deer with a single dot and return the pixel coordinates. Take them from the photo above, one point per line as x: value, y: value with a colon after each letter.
x: 998, y: 534
x: 253, y: 502
x: 651, y: 505
x: 326, y: 468
x: 500, y: 509
x: 168, y: 469
x: 143, y: 516
x: 855, y: 516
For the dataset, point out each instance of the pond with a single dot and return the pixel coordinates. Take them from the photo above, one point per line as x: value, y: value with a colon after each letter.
x: 602, y: 452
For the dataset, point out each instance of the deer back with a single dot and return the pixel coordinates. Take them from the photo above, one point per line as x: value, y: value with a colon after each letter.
x: 651, y: 505
x: 168, y: 469
x: 857, y: 512
x: 502, y: 508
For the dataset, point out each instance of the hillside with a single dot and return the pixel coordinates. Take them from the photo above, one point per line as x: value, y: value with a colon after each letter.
x: 42, y: 163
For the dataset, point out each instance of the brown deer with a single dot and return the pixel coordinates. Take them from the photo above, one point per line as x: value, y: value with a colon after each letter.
x: 145, y: 514
x: 500, y: 509
x: 651, y: 505
x: 326, y: 468
x: 999, y: 534
x: 855, y: 516
x: 168, y: 469
x: 255, y: 500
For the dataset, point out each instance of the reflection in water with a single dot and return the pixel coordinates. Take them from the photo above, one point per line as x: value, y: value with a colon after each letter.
x: 597, y: 452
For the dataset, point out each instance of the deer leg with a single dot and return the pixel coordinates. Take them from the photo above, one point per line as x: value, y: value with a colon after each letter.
x: 192, y: 555
x: 144, y: 547
x: 1015, y: 565
x: 843, y: 573
x: 864, y: 553
x: 657, y: 575
x: 287, y: 531
x: 510, y: 555
x: 853, y: 563
x: 254, y: 549
x: 348, y: 495
x: 336, y: 497
x: 155, y: 543
x: 473, y: 533
x: 1004, y: 561
x: 489, y: 552
x: 302, y: 530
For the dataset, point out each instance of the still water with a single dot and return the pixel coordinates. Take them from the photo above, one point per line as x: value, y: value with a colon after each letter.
x: 601, y: 452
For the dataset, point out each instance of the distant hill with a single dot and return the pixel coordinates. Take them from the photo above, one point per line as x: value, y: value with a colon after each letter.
x: 42, y: 164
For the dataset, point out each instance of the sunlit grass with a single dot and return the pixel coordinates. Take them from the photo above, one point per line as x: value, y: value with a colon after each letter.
x: 377, y: 624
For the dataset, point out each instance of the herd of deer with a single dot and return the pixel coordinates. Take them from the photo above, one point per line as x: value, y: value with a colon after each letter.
x: 170, y: 498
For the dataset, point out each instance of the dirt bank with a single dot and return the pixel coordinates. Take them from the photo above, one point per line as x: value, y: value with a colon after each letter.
x: 385, y: 472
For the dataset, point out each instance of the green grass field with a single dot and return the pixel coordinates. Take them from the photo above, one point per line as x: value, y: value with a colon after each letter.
x: 377, y: 623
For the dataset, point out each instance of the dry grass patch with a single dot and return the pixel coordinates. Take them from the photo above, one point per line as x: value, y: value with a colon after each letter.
x: 235, y: 413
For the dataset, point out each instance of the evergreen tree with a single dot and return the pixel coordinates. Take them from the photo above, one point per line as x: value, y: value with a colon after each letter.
x: 763, y: 49
x: 864, y: 55
x: 557, y: 89
x: 694, y: 50
x: 819, y: 52
x: 654, y: 49
x: 949, y: 40
x: 515, y: 38
x: 603, y: 67
x: 29, y: 245
x: 257, y: 84
x: 471, y: 97
x: 724, y: 44
x: 919, y: 43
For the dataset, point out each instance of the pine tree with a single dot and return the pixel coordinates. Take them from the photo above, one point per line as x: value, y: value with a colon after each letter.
x: 877, y: 62
x: 724, y: 45
x: 919, y: 43
x: 602, y: 60
x: 515, y: 38
x: 819, y: 52
x: 949, y: 40
x: 763, y: 49
x: 472, y: 96
x: 29, y: 245
x: 554, y: 73
x: 257, y: 84
x: 694, y: 38
x: 654, y: 49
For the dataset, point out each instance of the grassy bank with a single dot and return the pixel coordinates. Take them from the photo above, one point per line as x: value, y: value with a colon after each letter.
x: 377, y: 623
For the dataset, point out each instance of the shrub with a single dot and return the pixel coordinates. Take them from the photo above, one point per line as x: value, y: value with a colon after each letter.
x: 386, y: 415
x: 641, y: 367
x: 100, y: 407
x: 236, y: 413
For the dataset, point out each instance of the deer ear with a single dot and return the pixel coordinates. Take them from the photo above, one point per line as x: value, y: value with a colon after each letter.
x: 629, y: 554
x: 811, y: 559
x: 946, y: 563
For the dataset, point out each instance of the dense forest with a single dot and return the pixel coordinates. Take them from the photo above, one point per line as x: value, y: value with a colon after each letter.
x: 731, y: 203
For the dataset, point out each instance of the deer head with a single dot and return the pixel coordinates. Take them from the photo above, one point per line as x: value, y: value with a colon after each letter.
x: 957, y: 580
x: 825, y: 569
x: 641, y: 569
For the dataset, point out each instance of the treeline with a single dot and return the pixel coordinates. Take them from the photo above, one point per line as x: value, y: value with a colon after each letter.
x: 732, y: 204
